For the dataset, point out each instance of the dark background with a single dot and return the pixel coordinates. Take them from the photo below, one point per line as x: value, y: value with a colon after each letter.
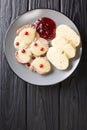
x: 29, y: 107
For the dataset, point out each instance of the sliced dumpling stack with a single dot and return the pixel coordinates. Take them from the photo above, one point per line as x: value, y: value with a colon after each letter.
x: 31, y: 49
x: 63, y: 47
x: 25, y: 37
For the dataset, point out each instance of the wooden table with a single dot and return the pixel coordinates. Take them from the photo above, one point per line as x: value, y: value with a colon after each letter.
x: 29, y: 107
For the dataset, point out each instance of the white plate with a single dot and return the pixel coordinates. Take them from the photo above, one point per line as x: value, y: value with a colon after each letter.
x: 30, y: 17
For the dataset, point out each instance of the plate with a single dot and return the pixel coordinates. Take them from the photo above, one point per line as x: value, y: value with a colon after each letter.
x: 23, y: 72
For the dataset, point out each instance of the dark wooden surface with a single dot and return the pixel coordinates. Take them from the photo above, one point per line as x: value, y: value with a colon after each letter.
x: 29, y: 107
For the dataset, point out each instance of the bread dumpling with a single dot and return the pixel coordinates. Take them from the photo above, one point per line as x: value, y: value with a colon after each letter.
x: 23, y: 55
x: 19, y: 43
x: 28, y: 35
x: 41, y: 65
x: 60, y: 43
x: 58, y: 58
x: 39, y: 47
x: 68, y: 34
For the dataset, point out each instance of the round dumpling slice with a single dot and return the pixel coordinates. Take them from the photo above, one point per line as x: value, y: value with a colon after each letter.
x: 19, y: 43
x: 58, y: 58
x: 68, y: 34
x: 39, y: 47
x: 41, y: 65
x: 60, y: 43
x: 28, y: 35
x: 23, y: 55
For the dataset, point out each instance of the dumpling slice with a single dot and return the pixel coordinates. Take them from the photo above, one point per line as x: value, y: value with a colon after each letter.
x: 28, y: 35
x: 58, y: 58
x: 41, y: 65
x: 23, y: 55
x: 19, y: 43
x: 60, y: 43
x: 39, y: 47
x: 68, y: 34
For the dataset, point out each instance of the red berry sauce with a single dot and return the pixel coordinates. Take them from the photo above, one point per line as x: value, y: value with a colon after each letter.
x: 35, y: 44
x: 42, y: 49
x: 41, y: 66
x: 17, y: 43
x: 46, y: 28
x: 28, y: 64
x: 33, y: 57
x: 23, y: 51
x: 26, y: 33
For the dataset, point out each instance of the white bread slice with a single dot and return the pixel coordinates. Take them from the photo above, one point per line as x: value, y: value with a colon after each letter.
x: 58, y: 58
x: 41, y: 65
x: 60, y: 43
x: 39, y: 47
x: 68, y: 34
x: 23, y: 57
x: 28, y: 39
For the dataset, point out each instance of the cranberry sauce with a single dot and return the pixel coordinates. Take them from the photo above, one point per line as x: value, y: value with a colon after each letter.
x: 46, y: 28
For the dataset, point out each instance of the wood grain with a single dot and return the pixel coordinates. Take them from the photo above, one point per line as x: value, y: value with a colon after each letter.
x: 73, y: 106
x: 12, y: 88
x: 43, y: 108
